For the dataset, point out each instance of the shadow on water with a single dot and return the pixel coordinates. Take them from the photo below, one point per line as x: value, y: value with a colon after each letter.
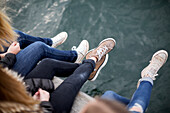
x: 140, y: 27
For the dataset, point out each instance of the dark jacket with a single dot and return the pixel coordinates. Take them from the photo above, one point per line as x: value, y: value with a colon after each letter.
x: 32, y: 86
x: 8, y: 61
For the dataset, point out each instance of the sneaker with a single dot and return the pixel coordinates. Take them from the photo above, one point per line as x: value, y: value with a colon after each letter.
x: 157, y: 61
x: 59, y: 39
x: 101, y: 53
x: 99, y: 65
x: 81, y: 50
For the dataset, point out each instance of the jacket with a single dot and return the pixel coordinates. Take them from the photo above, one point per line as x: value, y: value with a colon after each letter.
x: 32, y: 85
x: 8, y: 61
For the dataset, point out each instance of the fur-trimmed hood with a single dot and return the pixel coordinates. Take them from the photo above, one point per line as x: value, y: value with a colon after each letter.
x: 12, y: 106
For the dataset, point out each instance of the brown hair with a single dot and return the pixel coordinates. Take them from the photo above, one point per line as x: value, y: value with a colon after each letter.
x: 13, y: 90
x: 7, y: 35
x: 104, y: 106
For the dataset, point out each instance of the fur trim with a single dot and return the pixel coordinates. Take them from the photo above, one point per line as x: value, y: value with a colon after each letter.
x: 13, y: 74
x: 12, y: 107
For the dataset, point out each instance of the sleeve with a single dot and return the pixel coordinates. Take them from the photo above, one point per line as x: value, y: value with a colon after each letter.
x: 46, y: 106
x: 33, y: 84
x: 8, y: 61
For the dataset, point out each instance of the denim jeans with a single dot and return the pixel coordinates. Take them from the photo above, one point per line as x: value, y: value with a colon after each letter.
x: 28, y: 58
x: 25, y: 39
x: 140, y: 97
x: 63, y: 96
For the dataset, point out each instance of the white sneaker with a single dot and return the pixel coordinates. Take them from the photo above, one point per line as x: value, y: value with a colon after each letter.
x: 81, y: 50
x: 59, y: 39
x: 157, y: 61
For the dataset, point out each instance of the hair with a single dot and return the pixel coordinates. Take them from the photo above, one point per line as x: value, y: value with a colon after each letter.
x: 104, y: 106
x: 12, y: 90
x: 7, y: 35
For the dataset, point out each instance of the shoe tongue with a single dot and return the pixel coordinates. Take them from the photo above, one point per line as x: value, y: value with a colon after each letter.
x: 152, y: 71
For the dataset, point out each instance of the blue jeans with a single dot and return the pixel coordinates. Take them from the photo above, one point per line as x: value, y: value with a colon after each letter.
x: 34, y: 50
x: 25, y: 40
x: 28, y: 58
x: 140, y: 97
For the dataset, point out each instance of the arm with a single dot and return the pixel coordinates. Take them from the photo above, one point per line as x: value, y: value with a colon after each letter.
x: 47, y: 107
x: 33, y: 84
x: 44, y: 97
x: 8, y: 61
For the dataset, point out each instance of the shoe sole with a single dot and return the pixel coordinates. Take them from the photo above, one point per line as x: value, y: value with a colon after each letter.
x: 104, y: 63
x: 99, y: 69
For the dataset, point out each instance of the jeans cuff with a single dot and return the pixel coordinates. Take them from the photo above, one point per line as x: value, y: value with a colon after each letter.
x: 49, y: 42
x: 90, y: 61
x: 75, y: 55
x: 147, y: 79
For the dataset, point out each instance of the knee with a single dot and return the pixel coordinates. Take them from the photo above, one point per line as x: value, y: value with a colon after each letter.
x: 38, y: 45
x: 109, y: 92
x: 46, y: 60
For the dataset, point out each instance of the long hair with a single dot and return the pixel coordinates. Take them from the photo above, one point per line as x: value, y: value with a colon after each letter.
x: 12, y: 90
x: 7, y: 35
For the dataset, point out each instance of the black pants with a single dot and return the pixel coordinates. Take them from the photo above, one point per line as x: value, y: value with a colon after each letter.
x: 62, y: 97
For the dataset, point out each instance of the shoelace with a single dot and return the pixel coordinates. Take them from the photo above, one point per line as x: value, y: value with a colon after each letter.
x: 153, y: 77
x: 101, y: 52
x: 152, y: 71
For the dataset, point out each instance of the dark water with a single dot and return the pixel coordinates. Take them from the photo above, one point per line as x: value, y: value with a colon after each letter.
x: 140, y: 27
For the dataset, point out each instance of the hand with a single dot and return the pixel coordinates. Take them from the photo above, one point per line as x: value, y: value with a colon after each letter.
x: 41, y: 95
x: 14, y: 48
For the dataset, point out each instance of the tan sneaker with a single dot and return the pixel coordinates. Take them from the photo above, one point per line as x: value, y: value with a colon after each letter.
x: 59, y: 39
x: 100, y: 53
x: 157, y: 61
x: 81, y: 50
x: 99, y: 65
x: 103, y: 48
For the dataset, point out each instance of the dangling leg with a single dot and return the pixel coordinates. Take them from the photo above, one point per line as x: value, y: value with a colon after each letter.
x: 25, y: 39
x: 141, y: 97
x: 48, y: 68
x: 28, y: 58
x: 64, y: 95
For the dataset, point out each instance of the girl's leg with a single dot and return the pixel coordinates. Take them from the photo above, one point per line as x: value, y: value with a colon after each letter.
x: 111, y: 95
x: 48, y: 68
x: 63, y: 97
x: 141, y: 97
x: 25, y: 39
x: 28, y: 58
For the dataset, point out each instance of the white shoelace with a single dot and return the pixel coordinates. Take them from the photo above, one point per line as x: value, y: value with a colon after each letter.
x: 153, y: 70
x: 101, y: 52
